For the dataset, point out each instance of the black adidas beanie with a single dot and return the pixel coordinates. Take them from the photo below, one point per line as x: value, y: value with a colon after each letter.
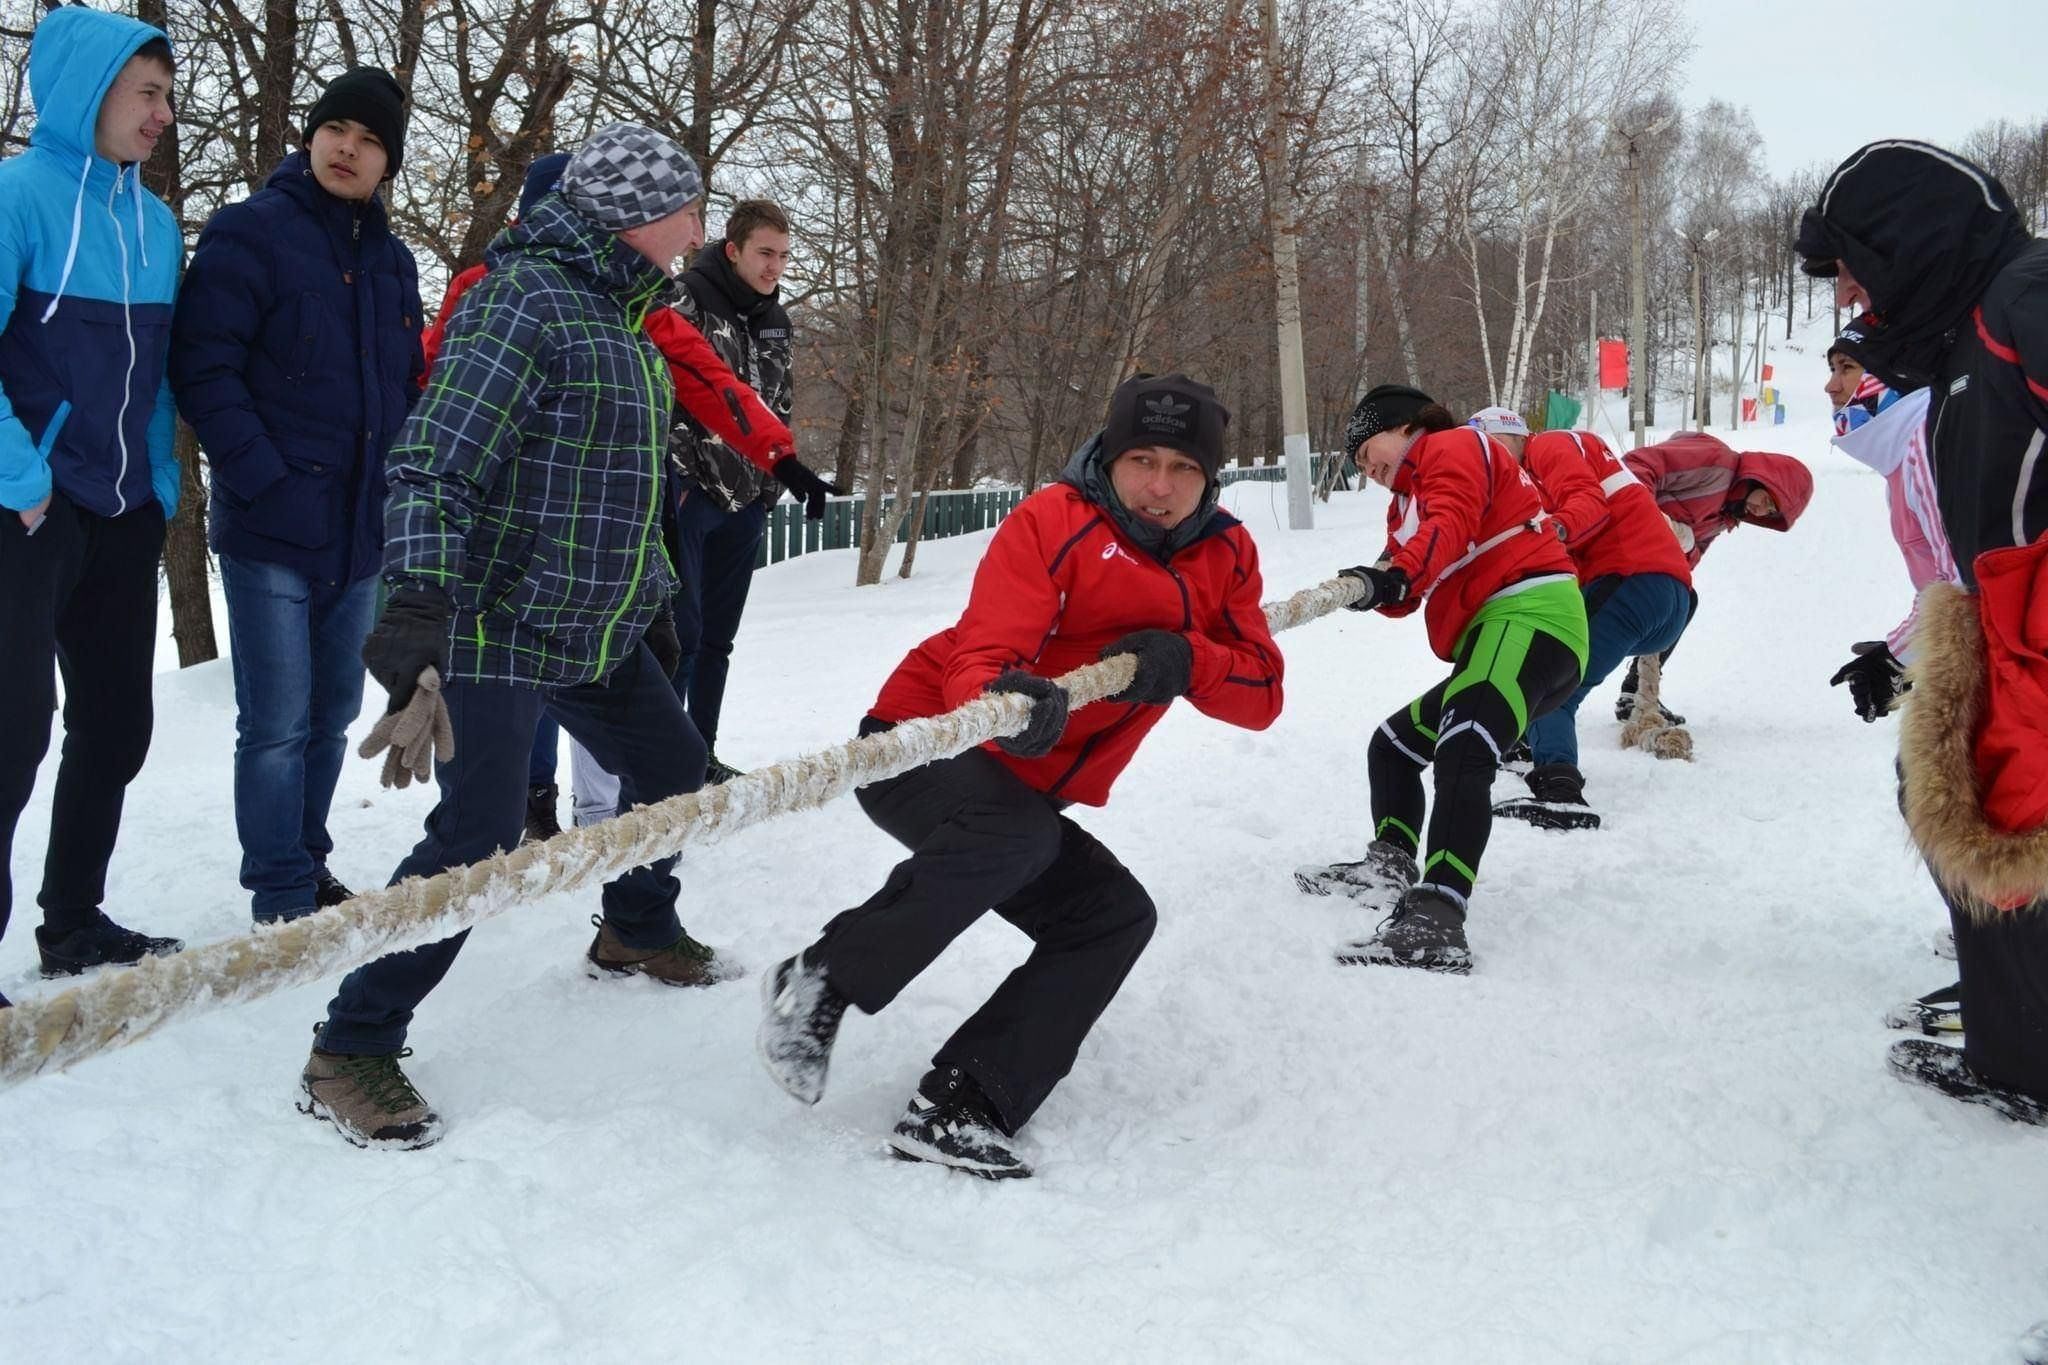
x: 1383, y: 408
x: 371, y: 97
x: 1167, y: 410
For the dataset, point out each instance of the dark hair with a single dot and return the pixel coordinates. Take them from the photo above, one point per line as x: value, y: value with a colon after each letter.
x: 158, y: 50
x: 750, y: 216
x: 1431, y: 417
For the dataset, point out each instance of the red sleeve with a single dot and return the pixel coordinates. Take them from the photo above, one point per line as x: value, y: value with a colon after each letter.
x: 1013, y: 608
x: 1237, y: 670
x: 1648, y: 465
x: 1450, y: 496
x: 707, y: 389
x: 430, y: 343
x: 1570, y: 493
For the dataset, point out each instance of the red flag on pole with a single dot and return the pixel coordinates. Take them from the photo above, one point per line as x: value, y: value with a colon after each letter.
x: 1767, y: 375
x: 1613, y: 363
x: 1749, y: 409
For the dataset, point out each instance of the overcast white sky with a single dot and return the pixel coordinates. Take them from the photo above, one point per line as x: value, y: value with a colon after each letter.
x: 1823, y: 77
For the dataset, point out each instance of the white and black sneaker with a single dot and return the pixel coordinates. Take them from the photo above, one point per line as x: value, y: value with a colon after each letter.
x: 1376, y: 880
x: 800, y: 1014
x: 1937, y: 1014
x: 950, y: 1123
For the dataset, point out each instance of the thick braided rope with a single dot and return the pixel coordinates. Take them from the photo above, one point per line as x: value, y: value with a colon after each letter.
x: 117, y: 1007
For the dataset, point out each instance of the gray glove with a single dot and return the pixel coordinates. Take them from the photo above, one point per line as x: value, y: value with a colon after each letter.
x: 417, y: 734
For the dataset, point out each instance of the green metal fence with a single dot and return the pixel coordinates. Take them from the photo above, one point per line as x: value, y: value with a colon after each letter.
x: 945, y: 514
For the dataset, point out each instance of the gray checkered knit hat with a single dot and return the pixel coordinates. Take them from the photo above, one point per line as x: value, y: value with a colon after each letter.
x: 627, y: 176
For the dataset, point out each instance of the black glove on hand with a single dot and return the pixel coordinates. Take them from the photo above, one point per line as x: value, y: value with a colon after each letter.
x: 806, y: 487
x: 1875, y: 679
x: 661, y: 639
x: 410, y: 637
x: 1048, y: 713
x: 1383, y: 587
x: 1166, y: 664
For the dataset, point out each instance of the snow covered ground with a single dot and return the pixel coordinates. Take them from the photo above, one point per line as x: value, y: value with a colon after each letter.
x: 1653, y: 1125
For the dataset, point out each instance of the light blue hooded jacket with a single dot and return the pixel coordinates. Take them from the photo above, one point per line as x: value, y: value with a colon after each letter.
x: 88, y: 269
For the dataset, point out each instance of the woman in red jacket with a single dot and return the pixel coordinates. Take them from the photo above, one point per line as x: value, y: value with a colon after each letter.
x: 1468, y: 533
x: 1127, y: 554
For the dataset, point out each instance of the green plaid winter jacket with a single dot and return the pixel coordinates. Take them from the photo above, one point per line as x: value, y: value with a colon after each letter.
x: 527, y: 483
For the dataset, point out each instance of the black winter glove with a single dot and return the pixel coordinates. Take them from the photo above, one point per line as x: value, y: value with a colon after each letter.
x: 1048, y: 713
x: 1166, y: 664
x: 806, y: 487
x: 661, y: 639
x: 1383, y: 587
x: 1875, y: 679
x: 410, y: 637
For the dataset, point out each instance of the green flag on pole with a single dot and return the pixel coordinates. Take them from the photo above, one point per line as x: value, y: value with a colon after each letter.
x: 1560, y: 412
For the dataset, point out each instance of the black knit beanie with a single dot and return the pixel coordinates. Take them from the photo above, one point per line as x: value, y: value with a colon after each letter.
x: 371, y: 97
x: 1383, y: 408
x: 1166, y: 410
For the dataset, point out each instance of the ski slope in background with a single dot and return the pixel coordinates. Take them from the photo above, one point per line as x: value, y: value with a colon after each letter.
x: 1653, y: 1125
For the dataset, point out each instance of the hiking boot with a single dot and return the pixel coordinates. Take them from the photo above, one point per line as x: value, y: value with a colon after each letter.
x: 101, y: 943
x: 716, y: 772
x: 328, y: 890
x: 1426, y: 930
x: 1556, y: 800
x: 1943, y: 1068
x: 1938, y: 1014
x: 951, y: 1123
x: 541, y: 821
x: 368, y: 1100
x: 685, y: 962
x: 1376, y: 880
x: 800, y: 1014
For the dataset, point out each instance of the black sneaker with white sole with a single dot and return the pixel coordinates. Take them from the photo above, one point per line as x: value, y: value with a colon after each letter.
x: 1938, y: 1014
x: 1376, y: 880
x: 800, y: 1014
x: 951, y: 1123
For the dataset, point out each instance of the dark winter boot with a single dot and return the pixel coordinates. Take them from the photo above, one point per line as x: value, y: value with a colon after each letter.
x: 1556, y: 800
x: 102, y: 943
x: 716, y: 772
x: 1518, y: 760
x: 368, y: 1100
x: 685, y: 962
x: 541, y: 820
x: 800, y: 1014
x: 1938, y: 1014
x: 1943, y: 1068
x: 951, y: 1123
x: 1376, y: 880
x: 328, y: 890
x: 1426, y: 930
x: 1625, y: 703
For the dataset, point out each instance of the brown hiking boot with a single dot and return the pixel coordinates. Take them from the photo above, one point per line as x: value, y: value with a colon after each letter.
x: 685, y: 962
x: 368, y: 1100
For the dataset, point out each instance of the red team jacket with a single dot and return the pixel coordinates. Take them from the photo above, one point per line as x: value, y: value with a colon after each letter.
x: 1693, y: 476
x: 1057, y: 585
x: 1465, y: 522
x: 706, y: 387
x: 1611, y: 522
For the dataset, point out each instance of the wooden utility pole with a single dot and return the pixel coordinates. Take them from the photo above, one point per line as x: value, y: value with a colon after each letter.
x: 1287, y: 281
x: 1638, y: 286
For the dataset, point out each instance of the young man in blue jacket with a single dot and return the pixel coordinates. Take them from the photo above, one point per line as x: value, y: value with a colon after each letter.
x: 296, y: 358
x: 88, y: 269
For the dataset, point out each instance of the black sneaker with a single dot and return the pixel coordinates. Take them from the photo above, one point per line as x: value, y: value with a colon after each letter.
x: 951, y: 1123
x: 800, y: 1014
x: 99, y: 944
x: 5, y: 1003
x: 541, y: 820
x: 328, y: 890
x: 1518, y: 759
x: 1937, y: 1014
x: 1943, y: 1068
x: 1556, y: 800
x: 1376, y: 880
x: 1426, y: 930
x: 716, y: 772
x: 1625, y: 707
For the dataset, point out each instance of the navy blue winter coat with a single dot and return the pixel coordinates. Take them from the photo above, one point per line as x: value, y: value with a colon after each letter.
x: 295, y: 355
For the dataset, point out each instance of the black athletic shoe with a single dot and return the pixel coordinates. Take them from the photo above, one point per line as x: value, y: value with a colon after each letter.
x: 1625, y: 707
x: 5, y: 1003
x: 1556, y: 800
x: 1518, y: 760
x: 328, y: 890
x: 1938, y: 1014
x: 716, y: 772
x: 99, y: 944
x: 1943, y: 1068
x: 1426, y: 930
x: 541, y: 820
x: 950, y: 1123
x: 800, y: 1014
x: 1376, y: 880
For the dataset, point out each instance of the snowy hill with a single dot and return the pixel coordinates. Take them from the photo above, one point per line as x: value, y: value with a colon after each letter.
x: 1653, y: 1124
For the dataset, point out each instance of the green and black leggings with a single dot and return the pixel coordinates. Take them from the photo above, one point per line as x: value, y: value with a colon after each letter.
x: 1522, y: 655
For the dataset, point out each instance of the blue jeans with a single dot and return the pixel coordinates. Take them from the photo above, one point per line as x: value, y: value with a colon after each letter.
x: 297, y: 646
x: 716, y: 566
x: 631, y: 721
x: 1645, y: 614
x: 547, y: 751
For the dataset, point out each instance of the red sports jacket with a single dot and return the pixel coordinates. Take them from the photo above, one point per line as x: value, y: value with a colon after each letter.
x: 706, y: 387
x: 1694, y: 476
x: 1057, y: 585
x: 1465, y: 522
x: 1612, y: 525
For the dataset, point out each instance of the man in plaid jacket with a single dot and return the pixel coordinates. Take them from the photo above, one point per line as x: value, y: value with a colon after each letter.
x: 525, y: 562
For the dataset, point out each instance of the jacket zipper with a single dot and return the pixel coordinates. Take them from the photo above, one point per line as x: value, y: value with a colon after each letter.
x: 128, y: 328
x: 604, y: 646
